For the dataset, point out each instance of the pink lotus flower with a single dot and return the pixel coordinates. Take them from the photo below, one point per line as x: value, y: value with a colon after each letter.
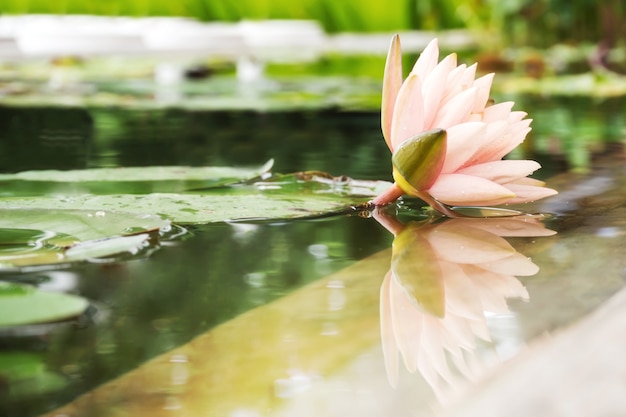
x: 467, y: 137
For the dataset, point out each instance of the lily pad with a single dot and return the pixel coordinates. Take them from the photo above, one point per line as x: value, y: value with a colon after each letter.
x: 284, y: 197
x: 23, y: 304
x: 132, y: 180
x: 10, y: 237
x: 53, y: 236
x: 106, y: 247
x: 101, y: 250
x: 75, y: 225
x: 199, y: 208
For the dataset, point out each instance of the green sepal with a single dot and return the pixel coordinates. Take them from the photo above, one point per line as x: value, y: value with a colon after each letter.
x: 418, y: 161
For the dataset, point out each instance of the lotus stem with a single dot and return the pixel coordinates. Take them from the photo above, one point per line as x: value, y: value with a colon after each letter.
x: 388, y: 196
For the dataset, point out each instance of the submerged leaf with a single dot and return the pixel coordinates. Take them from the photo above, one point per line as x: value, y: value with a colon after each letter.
x: 25, y: 374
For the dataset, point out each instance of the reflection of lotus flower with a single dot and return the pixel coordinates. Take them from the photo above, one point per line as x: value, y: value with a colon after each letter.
x: 448, y: 142
x: 443, y: 278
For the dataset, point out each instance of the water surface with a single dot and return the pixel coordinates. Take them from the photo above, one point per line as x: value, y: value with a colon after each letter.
x: 284, y: 318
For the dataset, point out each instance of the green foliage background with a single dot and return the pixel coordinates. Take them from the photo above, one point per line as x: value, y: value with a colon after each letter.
x: 536, y: 22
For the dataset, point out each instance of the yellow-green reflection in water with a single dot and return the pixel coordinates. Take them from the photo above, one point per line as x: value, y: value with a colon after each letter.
x: 252, y: 361
x: 287, y: 357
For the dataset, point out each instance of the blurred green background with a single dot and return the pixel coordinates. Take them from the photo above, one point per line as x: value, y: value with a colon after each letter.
x: 530, y: 22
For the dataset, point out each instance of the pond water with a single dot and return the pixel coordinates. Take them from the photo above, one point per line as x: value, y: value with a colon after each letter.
x: 285, y: 318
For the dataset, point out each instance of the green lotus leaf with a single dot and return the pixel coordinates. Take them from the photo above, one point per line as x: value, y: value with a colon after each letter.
x: 106, y: 247
x: 273, y: 200
x: 51, y: 235
x: 71, y: 225
x: 22, y: 304
x: 132, y: 180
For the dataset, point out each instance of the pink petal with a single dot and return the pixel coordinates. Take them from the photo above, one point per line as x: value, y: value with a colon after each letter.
x: 433, y: 87
x: 475, y: 117
x: 392, y: 81
x: 454, y: 80
x: 463, y: 142
x: 528, y: 193
x: 467, y: 79
x: 516, y: 116
x: 501, y: 139
x: 529, y: 181
x: 456, y: 110
x: 462, y: 82
x: 494, y: 131
x: 466, y: 190
x: 502, y: 172
x: 484, y: 87
x: 427, y: 60
x: 510, y: 141
x: 498, y: 111
x: 408, y: 114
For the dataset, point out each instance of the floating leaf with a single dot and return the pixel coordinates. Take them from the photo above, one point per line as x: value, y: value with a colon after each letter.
x: 70, y: 235
x: 22, y: 304
x: 23, y: 256
x: 319, y: 182
x: 133, y: 180
x: 16, y: 237
x: 76, y: 225
x: 245, y: 203
x: 27, y: 256
x: 106, y: 247
x: 221, y: 175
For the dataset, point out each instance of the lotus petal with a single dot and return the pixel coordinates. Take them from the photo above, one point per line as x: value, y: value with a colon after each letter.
x: 467, y: 190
